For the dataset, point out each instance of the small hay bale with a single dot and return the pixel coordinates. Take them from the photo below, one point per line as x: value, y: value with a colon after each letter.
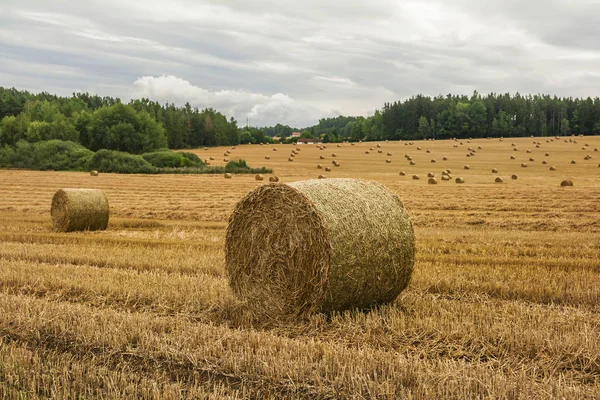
x: 312, y: 255
x: 380, y: 151
x: 547, y: 154
x: 566, y: 183
x: 228, y: 175
x: 416, y: 177
x: 273, y: 179
x: 430, y: 175
x: 499, y: 180
x: 573, y: 162
x: 388, y: 161
x: 448, y: 171
x: 367, y: 152
x: 352, y: 144
x: 333, y: 162
x: 528, y: 151
x: 378, y: 145
x: 337, y: 164
x: 445, y: 158
x: 432, y: 181
x: 226, y: 154
x: 290, y: 159
x: 371, y: 148
x: 321, y: 177
x: 468, y: 155
x: 333, y: 155
x: 494, y: 170
x: 428, y: 151
x: 226, y: 160
x: 466, y: 167
x: 389, y: 154
x: 211, y: 158
x: 515, y: 149
x: 418, y: 147
x: 274, y: 149
x: 479, y: 147
x: 553, y: 168
x: 531, y: 159
x: 514, y: 177
x: 413, y: 163
x: 596, y: 149
x: 402, y: 173
x: 319, y: 166
x: 459, y: 180
x: 523, y: 165
x: 321, y: 157
x: 79, y: 210
x: 433, y: 160
x: 94, y: 173
x: 267, y: 158
x: 328, y: 169
x: 512, y: 157
x: 445, y: 177
x: 259, y: 177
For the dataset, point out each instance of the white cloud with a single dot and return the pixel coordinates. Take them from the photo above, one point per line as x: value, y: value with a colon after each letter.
x: 260, y: 109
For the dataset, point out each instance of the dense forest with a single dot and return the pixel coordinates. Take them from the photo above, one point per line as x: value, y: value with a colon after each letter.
x: 143, y: 125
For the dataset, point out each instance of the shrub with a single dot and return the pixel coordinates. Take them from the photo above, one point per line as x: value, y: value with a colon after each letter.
x: 123, y: 163
x: 55, y: 155
x: 171, y: 159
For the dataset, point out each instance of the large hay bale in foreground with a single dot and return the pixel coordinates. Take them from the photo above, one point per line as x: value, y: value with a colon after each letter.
x: 292, y: 249
x: 79, y: 210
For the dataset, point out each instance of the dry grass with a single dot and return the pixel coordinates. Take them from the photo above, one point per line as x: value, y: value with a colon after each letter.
x: 504, y: 300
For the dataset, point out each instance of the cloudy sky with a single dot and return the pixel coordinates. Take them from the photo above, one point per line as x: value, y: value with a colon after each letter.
x: 297, y: 61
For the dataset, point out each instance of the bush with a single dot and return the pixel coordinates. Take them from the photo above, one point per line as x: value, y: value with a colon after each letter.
x: 119, y: 162
x: 55, y: 155
x: 170, y: 159
x: 231, y: 165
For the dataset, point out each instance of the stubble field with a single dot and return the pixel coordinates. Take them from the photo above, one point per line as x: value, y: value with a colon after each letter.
x: 504, y: 300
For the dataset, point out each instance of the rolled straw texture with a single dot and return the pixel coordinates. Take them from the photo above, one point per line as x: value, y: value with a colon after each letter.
x: 319, y: 245
x: 79, y: 210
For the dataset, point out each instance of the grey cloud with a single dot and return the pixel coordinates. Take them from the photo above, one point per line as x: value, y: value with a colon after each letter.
x: 294, y: 62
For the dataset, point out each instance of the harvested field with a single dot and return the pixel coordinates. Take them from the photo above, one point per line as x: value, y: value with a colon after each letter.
x: 504, y: 300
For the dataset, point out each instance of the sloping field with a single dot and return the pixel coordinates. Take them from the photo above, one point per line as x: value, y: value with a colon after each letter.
x: 504, y: 301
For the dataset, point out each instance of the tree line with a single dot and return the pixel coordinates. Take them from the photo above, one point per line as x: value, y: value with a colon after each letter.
x: 143, y: 125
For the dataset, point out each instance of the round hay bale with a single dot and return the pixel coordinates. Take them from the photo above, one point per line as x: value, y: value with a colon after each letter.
x: 553, y: 168
x: 523, y: 165
x: 273, y: 179
x: 290, y: 159
x: 211, y: 158
x: 515, y: 149
x: 445, y: 177
x: 430, y: 175
x: 328, y: 169
x: 267, y: 158
x: 228, y: 175
x: 380, y: 151
x: 274, y: 149
x: 312, y: 255
x: 418, y: 147
x: 514, y: 177
x: 547, y: 154
x: 528, y: 151
x: 445, y: 158
x: 319, y: 166
x: 432, y: 181
x: 402, y: 173
x: 531, y: 159
x: 353, y: 144
x: 413, y: 163
x: 367, y: 152
x: 459, y: 180
x: 494, y: 170
x: 333, y: 155
x: 466, y: 167
x: 389, y: 154
x: 416, y: 177
x: 596, y: 149
x: 371, y: 148
x: 433, y: 160
x: 499, y: 180
x: 468, y: 155
x: 566, y: 183
x: 544, y: 162
x: 573, y: 162
x: 321, y: 176
x: 388, y: 161
x: 512, y: 157
x: 378, y: 145
x: 321, y: 157
x: 226, y: 154
x: 79, y: 210
x: 448, y: 171
x: 259, y: 177
x: 94, y: 173
x: 336, y: 164
x: 479, y: 147
x: 428, y: 151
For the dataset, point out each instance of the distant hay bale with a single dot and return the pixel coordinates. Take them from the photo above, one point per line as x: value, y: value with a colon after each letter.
x: 388, y: 161
x: 466, y: 167
x: 418, y: 147
x: 328, y: 169
x: 573, y: 162
x: 79, y: 210
x: 319, y: 166
x: 290, y: 159
x: 273, y: 179
x: 211, y: 158
x: 430, y: 175
x: 459, y: 180
x: 226, y: 160
x: 445, y: 177
x: 380, y: 151
x: 528, y: 151
x: 353, y: 144
x: 378, y: 145
x: 371, y: 148
x: 267, y: 158
x: 512, y: 157
x: 432, y: 181
x: 389, y: 154
x: 523, y: 165
x: 494, y: 170
x: 226, y: 154
x: 428, y: 151
x: 499, y: 180
x: 402, y: 173
x: 413, y: 163
x: 312, y: 255
x: 547, y: 154
x: 367, y: 152
x: 480, y: 148
x: 588, y: 157
x: 566, y: 183
x: 469, y: 155
x: 274, y: 149
x: 553, y: 168
x: 321, y: 176
x: 228, y: 175
x: 333, y: 162
x: 445, y: 158
x: 333, y: 155
x: 259, y: 177
x: 531, y: 159
x: 336, y: 164
x: 513, y: 144
x: 94, y: 173
x: 321, y: 157
x: 514, y: 177
x: 416, y: 177
x: 596, y: 149
x: 448, y: 171
x: 515, y: 149
x: 433, y: 160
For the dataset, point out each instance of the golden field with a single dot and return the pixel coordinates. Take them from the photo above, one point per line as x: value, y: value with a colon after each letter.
x: 504, y: 300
